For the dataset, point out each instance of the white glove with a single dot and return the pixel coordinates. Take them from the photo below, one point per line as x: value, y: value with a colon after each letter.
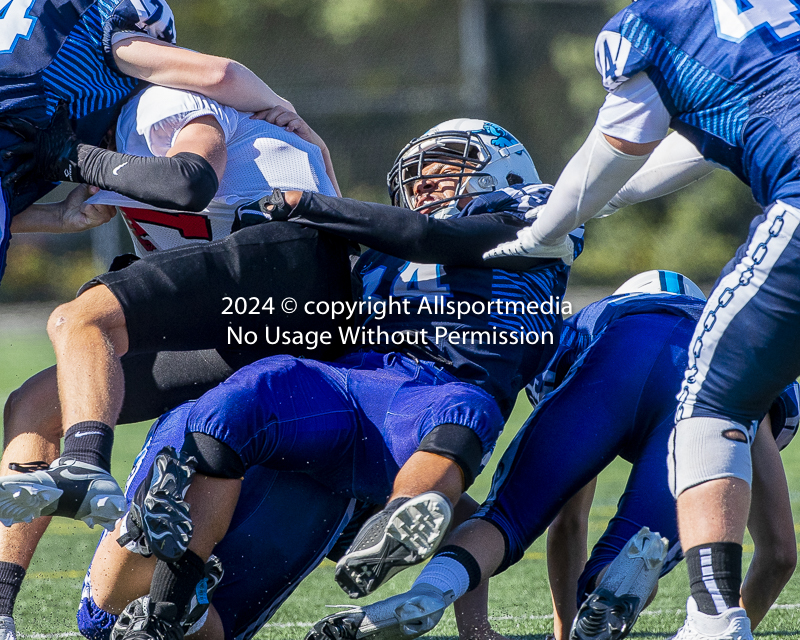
x: 526, y: 246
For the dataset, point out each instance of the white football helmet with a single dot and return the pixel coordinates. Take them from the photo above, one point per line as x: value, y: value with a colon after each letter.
x: 660, y: 281
x: 485, y: 155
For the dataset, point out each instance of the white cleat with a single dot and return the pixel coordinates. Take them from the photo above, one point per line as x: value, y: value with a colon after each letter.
x: 401, y: 617
x: 8, y: 630
x: 24, y: 496
x: 732, y: 624
x: 610, y: 611
x: 68, y: 488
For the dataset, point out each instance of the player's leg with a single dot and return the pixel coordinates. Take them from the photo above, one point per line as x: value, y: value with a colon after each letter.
x: 32, y: 432
x: 554, y: 452
x: 639, y: 545
x: 772, y: 527
x: 441, y: 451
x: 743, y: 353
x: 622, y: 573
x: 285, y: 413
x: 117, y: 575
x: 175, y: 300
x: 567, y: 541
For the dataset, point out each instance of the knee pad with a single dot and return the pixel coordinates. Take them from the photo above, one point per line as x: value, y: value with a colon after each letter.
x: 703, y: 449
x: 214, y: 458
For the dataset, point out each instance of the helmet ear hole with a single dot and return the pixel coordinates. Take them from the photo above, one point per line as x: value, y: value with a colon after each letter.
x: 513, y: 178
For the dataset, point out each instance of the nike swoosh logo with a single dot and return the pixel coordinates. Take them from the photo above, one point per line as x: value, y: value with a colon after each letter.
x: 88, y: 433
x: 116, y: 169
x: 68, y: 475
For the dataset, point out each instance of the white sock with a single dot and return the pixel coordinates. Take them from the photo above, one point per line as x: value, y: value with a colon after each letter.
x: 445, y: 574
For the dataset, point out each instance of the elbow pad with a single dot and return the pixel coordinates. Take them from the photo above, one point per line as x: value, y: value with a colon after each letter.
x: 184, y: 182
x: 593, y: 176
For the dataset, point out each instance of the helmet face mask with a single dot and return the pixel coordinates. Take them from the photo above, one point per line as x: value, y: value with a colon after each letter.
x: 478, y: 156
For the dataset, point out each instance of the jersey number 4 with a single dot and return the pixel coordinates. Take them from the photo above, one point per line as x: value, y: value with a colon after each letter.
x: 735, y: 20
x: 15, y: 23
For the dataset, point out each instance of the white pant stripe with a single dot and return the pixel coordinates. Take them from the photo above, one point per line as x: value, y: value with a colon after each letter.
x: 732, y: 293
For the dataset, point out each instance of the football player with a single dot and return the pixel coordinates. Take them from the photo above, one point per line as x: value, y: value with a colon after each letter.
x: 89, y: 57
x: 609, y: 414
x: 332, y: 420
x: 723, y: 75
x: 400, y: 231
x: 258, y: 578
x: 156, y: 124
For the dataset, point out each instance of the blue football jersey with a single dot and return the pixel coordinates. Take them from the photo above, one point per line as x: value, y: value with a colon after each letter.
x: 54, y: 51
x: 489, y: 327
x: 728, y: 72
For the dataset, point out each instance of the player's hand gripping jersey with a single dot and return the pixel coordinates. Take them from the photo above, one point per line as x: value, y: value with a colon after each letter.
x: 52, y: 53
x: 730, y: 84
x: 261, y: 157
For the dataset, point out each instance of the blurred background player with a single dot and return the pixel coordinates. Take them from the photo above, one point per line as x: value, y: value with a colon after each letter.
x: 595, y: 414
x: 716, y: 72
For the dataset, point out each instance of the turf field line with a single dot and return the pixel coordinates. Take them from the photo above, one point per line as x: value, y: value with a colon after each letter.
x: 290, y: 625
x: 658, y: 612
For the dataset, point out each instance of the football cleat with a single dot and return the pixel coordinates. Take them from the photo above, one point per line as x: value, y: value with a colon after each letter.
x: 406, y: 532
x: 8, y: 630
x: 164, y: 514
x: 610, y: 611
x: 196, y: 611
x: 401, y: 617
x: 69, y: 488
x: 732, y: 624
x: 146, y: 620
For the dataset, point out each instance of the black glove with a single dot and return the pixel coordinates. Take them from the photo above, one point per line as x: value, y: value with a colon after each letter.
x: 271, y: 207
x: 49, y: 153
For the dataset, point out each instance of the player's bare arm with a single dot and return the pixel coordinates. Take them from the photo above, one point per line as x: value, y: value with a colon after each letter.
x: 224, y: 80
x: 70, y: 215
x: 567, y: 538
x: 772, y: 528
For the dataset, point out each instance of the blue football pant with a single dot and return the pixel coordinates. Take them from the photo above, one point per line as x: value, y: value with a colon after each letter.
x: 745, y: 349
x: 350, y: 425
x: 270, y: 546
x: 617, y: 400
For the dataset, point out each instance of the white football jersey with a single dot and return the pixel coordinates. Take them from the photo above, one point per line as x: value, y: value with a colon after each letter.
x: 261, y: 156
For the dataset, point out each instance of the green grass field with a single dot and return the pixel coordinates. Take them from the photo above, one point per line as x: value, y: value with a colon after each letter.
x: 520, y: 602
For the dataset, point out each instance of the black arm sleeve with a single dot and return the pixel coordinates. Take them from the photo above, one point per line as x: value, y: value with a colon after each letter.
x: 409, y: 235
x: 185, y: 182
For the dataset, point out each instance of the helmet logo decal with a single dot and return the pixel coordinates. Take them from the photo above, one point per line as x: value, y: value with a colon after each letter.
x: 502, y: 137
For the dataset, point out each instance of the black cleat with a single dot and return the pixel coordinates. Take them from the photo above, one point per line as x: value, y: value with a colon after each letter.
x: 164, y: 514
x: 604, y: 616
x: 151, y: 621
x: 195, y: 610
x: 406, y: 532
